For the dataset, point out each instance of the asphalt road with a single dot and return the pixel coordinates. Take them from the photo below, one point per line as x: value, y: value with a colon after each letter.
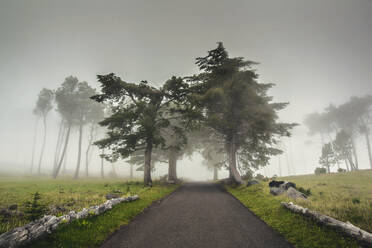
x: 197, y: 215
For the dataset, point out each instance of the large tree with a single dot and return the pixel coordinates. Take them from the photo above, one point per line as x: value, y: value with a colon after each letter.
x: 139, y: 113
x: 237, y: 106
x: 43, y: 106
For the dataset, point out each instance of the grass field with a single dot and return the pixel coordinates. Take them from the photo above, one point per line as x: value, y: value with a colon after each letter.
x: 62, y: 195
x: 345, y: 196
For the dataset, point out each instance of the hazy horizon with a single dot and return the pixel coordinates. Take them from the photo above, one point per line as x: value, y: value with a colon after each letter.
x: 315, y: 52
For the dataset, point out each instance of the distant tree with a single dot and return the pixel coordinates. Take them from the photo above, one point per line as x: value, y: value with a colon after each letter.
x: 83, y: 110
x: 43, y: 106
x: 139, y: 112
x: 361, y: 107
x: 317, y: 124
x: 67, y: 102
x: 327, y: 159
x: 34, y: 143
x: 94, y: 115
x: 237, y: 106
x: 343, y: 147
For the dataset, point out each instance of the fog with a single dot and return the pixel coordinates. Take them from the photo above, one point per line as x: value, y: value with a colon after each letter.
x: 315, y: 52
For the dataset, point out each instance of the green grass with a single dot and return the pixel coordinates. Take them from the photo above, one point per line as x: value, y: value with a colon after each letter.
x: 344, y: 196
x: 69, y: 194
x: 93, y: 231
x: 296, y: 229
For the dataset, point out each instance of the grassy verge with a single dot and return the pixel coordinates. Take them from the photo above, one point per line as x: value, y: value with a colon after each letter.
x: 297, y: 230
x: 93, y: 231
x: 344, y: 196
x: 58, y: 196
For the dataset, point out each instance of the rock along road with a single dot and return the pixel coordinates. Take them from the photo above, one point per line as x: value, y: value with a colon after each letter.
x: 197, y: 215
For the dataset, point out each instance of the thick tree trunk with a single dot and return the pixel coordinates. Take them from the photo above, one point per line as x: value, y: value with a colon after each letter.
x: 368, y: 148
x: 215, y: 173
x: 355, y: 154
x: 55, y: 174
x: 76, y: 176
x: 147, y: 168
x: 58, y: 146
x: 87, y: 160
x: 234, y: 173
x: 43, y: 146
x: 34, y: 144
x: 172, y: 167
x: 131, y: 171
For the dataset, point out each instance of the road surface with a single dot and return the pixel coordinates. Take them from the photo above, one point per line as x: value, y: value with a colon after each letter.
x: 197, y: 215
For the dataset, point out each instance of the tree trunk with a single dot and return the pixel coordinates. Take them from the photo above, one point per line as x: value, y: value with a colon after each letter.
x: 76, y: 176
x: 215, y: 173
x: 280, y: 166
x: 64, y: 168
x: 351, y: 163
x: 58, y: 146
x: 113, y: 171
x: 234, y: 174
x: 88, y: 149
x: 34, y: 144
x: 147, y: 168
x: 172, y: 167
x: 355, y: 154
x: 347, y: 165
x: 63, y: 152
x: 368, y: 148
x: 102, y: 170
x: 43, y: 146
x: 131, y: 171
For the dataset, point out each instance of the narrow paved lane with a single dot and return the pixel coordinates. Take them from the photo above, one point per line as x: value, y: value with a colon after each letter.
x: 197, y: 215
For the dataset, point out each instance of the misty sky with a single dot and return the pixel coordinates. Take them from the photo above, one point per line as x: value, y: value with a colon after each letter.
x: 316, y: 52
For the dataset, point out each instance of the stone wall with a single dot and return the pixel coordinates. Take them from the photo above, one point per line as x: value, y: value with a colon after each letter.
x: 47, y: 224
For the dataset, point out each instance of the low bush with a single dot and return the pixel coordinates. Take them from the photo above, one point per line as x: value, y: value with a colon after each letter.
x: 320, y: 170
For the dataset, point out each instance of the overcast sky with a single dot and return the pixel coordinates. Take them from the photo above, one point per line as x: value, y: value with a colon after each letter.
x: 316, y: 52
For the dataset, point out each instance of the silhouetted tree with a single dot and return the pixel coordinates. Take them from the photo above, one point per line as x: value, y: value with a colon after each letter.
x: 236, y: 105
x: 43, y: 106
x: 83, y: 110
x: 342, y: 145
x: 139, y: 112
x: 67, y: 102
x: 327, y: 159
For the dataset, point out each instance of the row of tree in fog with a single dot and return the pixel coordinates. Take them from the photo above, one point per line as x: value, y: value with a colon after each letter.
x: 340, y: 126
x: 222, y: 112
x: 76, y: 110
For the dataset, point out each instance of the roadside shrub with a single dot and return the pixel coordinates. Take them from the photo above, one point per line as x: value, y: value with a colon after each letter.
x: 34, y: 209
x: 341, y: 170
x: 320, y: 170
